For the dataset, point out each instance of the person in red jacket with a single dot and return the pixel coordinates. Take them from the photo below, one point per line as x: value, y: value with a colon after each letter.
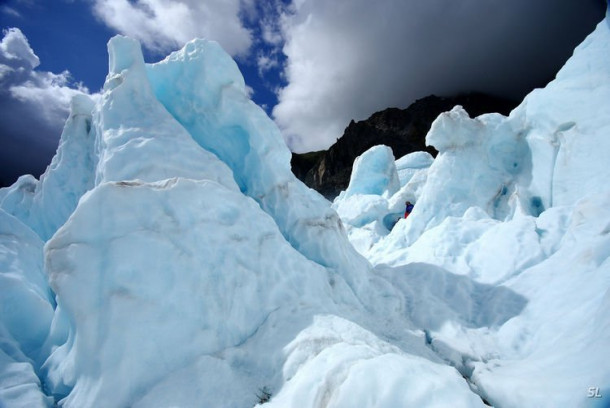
x: 408, y: 209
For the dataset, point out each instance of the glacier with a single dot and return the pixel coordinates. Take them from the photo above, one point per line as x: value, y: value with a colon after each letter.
x: 169, y: 257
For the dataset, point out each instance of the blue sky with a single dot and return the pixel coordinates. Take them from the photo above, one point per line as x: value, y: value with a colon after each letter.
x: 313, y: 65
x: 66, y: 35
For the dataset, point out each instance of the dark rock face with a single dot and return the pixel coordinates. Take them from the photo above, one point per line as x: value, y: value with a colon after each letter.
x: 404, y: 130
x: 302, y: 163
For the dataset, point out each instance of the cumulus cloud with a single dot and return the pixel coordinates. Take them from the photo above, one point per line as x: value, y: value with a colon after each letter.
x: 349, y: 58
x: 15, y: 50
x: 162, y: 25
x: 34, y: 106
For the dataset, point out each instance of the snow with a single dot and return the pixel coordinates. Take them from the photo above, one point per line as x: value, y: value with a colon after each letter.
x: 168, y: 256
x: 335, y: 363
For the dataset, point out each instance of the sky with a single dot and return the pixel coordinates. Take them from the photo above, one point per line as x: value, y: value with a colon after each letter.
x: 313, y: 65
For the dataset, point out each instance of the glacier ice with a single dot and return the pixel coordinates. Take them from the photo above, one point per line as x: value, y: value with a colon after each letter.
x: 379, y: 187
x: 202, y: 88
x: 521, y: 202
x: 128, y: 288
x: 26, y: 313
x: 411, y: 164
x: 198, y: 265
x: 152, y: 132
x: 374, y: 173
x: 168, y: 256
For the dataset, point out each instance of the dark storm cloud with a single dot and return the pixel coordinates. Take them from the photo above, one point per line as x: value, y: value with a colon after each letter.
x: 344, y: 59
x: 33, y: 107
x: 347, y: 59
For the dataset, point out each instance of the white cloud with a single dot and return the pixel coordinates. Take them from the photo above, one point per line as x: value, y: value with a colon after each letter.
x: 162, y: 25
x: 265, y: 63
x: 45, y: 93
x: 49, y: 93
x: 35, y: 105
x: 16, y: 49
x: 349, y: 58
x: 271, y: 34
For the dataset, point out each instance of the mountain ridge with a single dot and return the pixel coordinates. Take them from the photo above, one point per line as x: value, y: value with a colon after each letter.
x: 403, y: 130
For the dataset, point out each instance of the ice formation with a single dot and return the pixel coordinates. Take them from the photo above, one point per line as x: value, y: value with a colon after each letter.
x: 521, y: 202
x: 379, y: 187
x: 168, y: 256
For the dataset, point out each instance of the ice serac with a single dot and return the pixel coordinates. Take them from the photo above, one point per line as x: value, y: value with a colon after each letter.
x: 182, y: 286
x: 373, y: 180
x: 374, y: 201
x: 375, y: 173
x: 153, y: 291
x: 408, y: 165
x: 202, y: 88
x: 150, y: 145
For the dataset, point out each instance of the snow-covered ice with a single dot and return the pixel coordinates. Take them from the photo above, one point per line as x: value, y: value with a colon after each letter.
x: 168, y: 256
x: 335, y: 363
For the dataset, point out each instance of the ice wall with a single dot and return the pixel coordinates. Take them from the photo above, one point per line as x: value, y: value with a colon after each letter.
x: 26, y: 312
x: 204, y: 91
x: 195, y: 272
x: 374, y: 173
x: 566, y: 129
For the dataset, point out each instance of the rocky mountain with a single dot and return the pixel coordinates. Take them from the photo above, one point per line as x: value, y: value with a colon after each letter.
x: 404, y: 130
